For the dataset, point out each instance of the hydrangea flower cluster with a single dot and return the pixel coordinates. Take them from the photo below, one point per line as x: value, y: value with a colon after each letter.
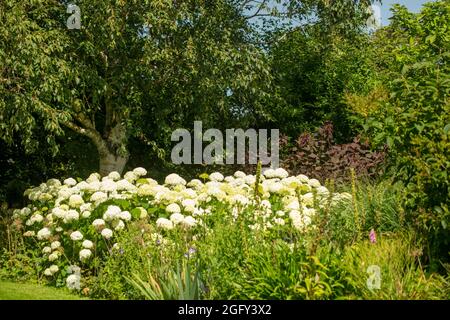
x: 83, y: 216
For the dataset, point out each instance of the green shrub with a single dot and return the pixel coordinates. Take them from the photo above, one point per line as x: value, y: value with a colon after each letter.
x: 415, y: 122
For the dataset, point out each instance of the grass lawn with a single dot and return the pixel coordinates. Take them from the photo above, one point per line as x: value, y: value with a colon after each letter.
x: 27, y: 291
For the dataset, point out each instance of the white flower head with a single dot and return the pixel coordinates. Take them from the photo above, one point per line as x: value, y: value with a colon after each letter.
x: 164, y: 223
x: 114, y: 175
x: 76, y: 236
x: 71, y: 215
x: 53, y: 269
x: 174, y: 179
x: 239, y: 174
x: 70, y: 182
x: 314, y: 183
x: 55, y: 245
x: 216, y: 176
x: 173, y: 208
x: 107, y: 233
x: 98, y: 223
x: 130, y: 176
x: 48, y: 272
x: 54, y: 256
x: 112, y: 212
x: 73, y: 282
x: 85, y: 254
x: 189, y: 221
x: 140, y: 172
x: 86, y: 214
x: 176, y: 218
x: 281, y: 173
x: 99, y: 197
x: 44, y: 233
x: 125, y: 215
x: 46, y: 250
x: 88, y: 244
x: 75, y: 201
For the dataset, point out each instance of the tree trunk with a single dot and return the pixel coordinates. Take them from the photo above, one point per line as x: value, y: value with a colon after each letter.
x: 111, y: 159
x: 110, y: 162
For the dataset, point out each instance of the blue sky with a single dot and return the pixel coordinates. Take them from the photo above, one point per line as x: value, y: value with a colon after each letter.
x: 412, y: 5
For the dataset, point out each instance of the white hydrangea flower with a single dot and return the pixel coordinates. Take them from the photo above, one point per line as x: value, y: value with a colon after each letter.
x: 53, y: 183
x: 146, y: 190
x: 164, y: 223
x: 240, y: 199
x: 55, y: 245
x: 322, y: 191
x: 279, y: 221
x: 125, y: 185
x: 99, y: 197
x: 176, y: 218
x: 189, y: 205
x: 281, y: 173
x: 75, y: 201
x: 76, y: 236
x: 216, y: 176
x: 293, y: 205
x: 93, y: 186
x: 174, y: 179
x: 239, y: 174
x: 46, y: 250
x: 98, y: 223
x: 302, y: 178
x: 114, y: 175
x: 70, y: 182
x: 269, y: 173
x: 37, y: 217
x: 93, y: 177
x: 275, y: 187
x: 86, y: 214
x: 83, y: 185
x: 173, y: 208
x: 108, y: 185
x: 308, y: 199
x: 112, y: 212
x: 314, y: 183
x: 88, y: 244
x: 85, y: 254
x: 47, y: 272
x: 194, y: 183
x: 250, y: 179
x: 107, y: 233
x: 130, y: 176
x: 125, y: 215
x: 53, y: 269
x: 43, y: 234
x: 140, y: 172
x: 189, y: 221
x: 71, y: 215
x: 59, y: 212
x: 54, y: 256
x: 73, y: 282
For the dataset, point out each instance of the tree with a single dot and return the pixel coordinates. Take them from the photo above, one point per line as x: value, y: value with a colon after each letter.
x: 317, y: 61
x: 136, y: 68
x: 415, y: 120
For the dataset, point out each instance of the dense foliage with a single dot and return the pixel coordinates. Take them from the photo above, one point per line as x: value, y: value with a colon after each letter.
x: 364, y: 117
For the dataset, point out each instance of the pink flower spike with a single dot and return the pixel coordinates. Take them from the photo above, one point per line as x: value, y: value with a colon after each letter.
x: 373, y: 236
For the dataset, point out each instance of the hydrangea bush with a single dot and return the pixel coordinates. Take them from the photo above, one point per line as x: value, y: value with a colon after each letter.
x: 73, y: 225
